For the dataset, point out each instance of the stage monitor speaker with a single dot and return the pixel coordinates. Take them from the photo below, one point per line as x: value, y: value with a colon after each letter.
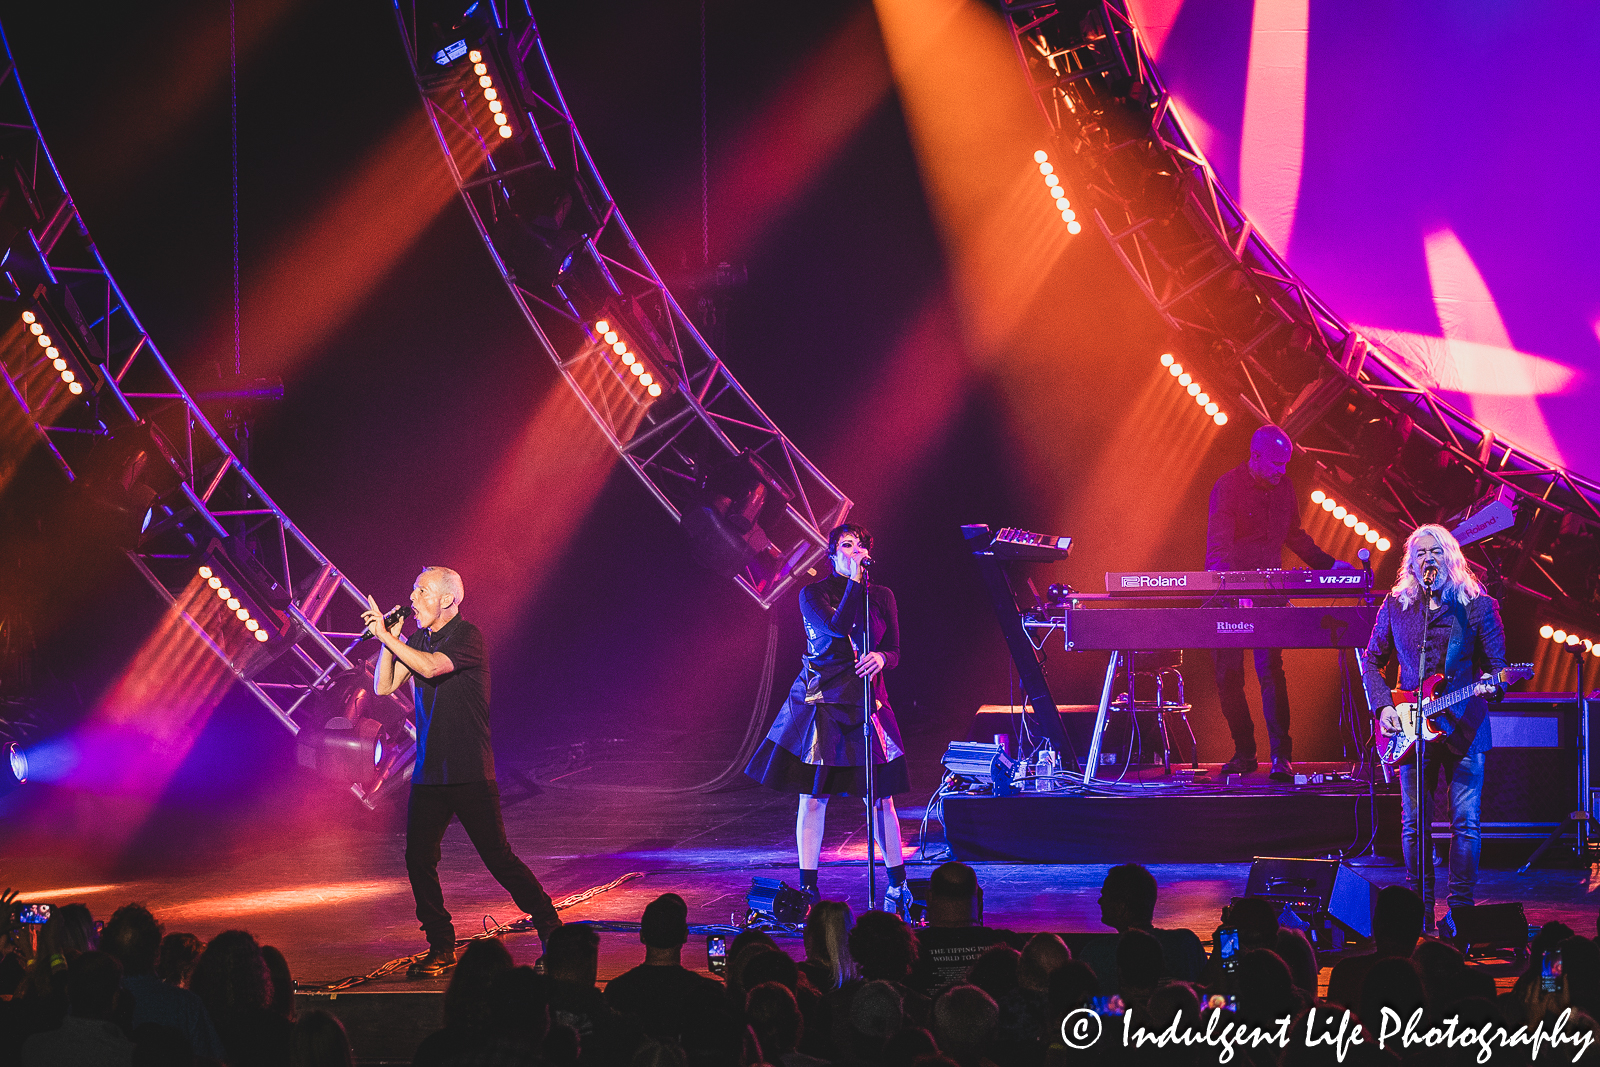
x: 1317, y: 886
x: 1490, y: 925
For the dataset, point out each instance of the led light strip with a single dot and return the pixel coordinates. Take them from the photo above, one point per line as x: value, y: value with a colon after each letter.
x: 635, y: 365
x: 225, y: 595
x: 1561, y: 637
x: 1361, y: 528
x: 1201, y: 397
x: 52, y: 353
x: 490, y: 93
x: 1052, y: 182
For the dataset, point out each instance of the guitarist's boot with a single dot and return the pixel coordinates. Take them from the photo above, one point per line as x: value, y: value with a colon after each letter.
x: 1282, y: 770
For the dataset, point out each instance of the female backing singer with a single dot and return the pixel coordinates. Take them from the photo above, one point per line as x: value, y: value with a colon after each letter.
x: 816, y: 746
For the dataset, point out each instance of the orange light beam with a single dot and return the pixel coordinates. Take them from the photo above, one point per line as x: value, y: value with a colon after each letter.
x: 317, y: 278
x: 974, y: 127
x: 159, y: 101
x: 778, y: 152
x: 533, y: 502
x: 913, y: 401
x: 1168, y: 435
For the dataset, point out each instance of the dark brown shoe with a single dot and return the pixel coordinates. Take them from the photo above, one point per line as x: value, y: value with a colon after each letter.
x: 1238, y: 765
x: 433, y: 965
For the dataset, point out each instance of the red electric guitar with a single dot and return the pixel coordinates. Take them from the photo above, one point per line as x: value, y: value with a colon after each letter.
x: 1397, y: 749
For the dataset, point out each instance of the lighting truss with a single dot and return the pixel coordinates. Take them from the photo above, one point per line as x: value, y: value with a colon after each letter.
x: 1243, y: 313
x: 132, y: 404
x: 570, y: 261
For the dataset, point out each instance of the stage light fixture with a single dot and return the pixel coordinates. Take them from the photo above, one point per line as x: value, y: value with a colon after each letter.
x: 649, y: 383
x: 15, y: 773
x: 450, y: 53
x: 37, y: 325
x: 252, y: 604
x: 1058, y: 195
x: 1360, y: 527
x: 774, y: 902
x: 1186, y: 381
x: 351, y: 736
x: 1570, y: 640
x: 490, y: 82
x: 342, y: 750
x: 736, y: 499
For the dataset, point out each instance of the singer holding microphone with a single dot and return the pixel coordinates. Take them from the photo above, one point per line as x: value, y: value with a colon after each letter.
x: 454, y: 772
x: 1439, y: 620
x: 816, y: 747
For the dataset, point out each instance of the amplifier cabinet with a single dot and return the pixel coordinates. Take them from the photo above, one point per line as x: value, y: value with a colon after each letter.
x: 1531, y: 777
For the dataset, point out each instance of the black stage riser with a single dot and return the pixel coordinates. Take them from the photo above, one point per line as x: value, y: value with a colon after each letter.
x: 1175, y: 828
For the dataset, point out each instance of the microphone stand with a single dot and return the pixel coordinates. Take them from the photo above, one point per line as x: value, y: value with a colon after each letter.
x: 1579, y: 820
x: 866, y: 735
x: 1421, y: 792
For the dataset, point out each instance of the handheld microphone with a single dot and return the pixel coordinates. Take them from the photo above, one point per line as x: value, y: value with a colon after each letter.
x: 396, y: 613
x: 866, y: 561
x: 1430, y: 574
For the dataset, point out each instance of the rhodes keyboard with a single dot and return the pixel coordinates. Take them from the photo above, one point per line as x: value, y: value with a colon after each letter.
x: 1241, y: 583
x: 1097, y: 629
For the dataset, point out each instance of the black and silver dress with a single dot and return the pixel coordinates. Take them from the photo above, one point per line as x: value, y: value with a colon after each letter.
x: 817, y: 745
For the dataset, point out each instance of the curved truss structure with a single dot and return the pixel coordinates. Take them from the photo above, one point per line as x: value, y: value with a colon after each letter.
x: 752, y: 505
x: 88, y: 379
x: 1376, y: 434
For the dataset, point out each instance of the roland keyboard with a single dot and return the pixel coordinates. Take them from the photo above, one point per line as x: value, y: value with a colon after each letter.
x: 1242, y: 583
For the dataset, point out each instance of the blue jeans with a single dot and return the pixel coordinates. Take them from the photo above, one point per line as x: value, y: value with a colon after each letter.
x: 1463, y: 778
x: 1274, y: 701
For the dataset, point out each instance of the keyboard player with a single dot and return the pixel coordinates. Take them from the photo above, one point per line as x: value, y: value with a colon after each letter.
x: 1254, y: 515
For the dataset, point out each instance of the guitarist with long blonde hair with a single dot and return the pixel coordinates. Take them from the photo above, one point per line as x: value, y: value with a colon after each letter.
x: 1438, y: 620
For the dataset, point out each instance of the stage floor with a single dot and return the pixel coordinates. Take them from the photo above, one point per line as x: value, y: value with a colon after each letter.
x: 327, y: 885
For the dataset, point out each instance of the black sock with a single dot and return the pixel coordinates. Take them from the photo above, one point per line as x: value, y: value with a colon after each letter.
x: 808, y: 879
x: 897, y: 875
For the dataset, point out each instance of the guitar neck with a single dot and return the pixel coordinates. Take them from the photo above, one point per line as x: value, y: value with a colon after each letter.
x: 1450, y: 700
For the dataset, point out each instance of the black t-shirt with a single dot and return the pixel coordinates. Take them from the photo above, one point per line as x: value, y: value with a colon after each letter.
x: 672, y: 1002
x: 1251, y: 522
x: 452, y: 710
x: 948, y: 952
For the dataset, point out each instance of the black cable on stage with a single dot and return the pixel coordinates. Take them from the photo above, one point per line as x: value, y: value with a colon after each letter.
x: 522, y: 925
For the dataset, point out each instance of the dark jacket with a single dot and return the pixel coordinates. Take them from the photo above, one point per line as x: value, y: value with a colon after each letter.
x: 1475, y: 642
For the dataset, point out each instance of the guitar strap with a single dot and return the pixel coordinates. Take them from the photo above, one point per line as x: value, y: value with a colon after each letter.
x: 1466, y: 717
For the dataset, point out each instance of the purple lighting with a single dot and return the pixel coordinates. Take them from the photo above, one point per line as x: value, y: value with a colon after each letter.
x: 1437, y: 198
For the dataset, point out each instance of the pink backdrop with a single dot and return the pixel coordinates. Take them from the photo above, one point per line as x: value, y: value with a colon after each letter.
x: 1430, y: 170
